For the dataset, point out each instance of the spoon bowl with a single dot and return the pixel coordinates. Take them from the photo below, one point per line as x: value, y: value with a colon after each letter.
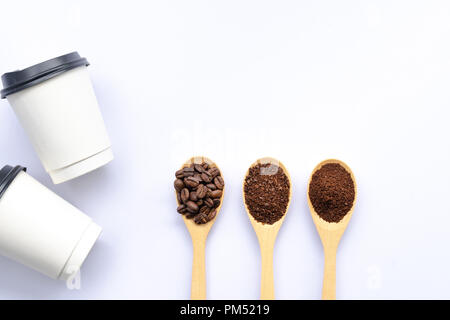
x: 267, y: 233
x: 199, y: 234
x: 330, y: 233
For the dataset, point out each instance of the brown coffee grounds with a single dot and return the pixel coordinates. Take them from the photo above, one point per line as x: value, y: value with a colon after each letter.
x: 266, y: 191
x: 332, y: 192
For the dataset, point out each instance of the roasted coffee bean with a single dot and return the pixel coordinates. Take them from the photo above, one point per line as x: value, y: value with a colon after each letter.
x: 188, y: 172
x: 197, y: 219
x: 191, y: 182
x: 204, y: 210
x: 200, y: 219
x: 218, y: 182
x: 179, y: 174
x: 189, y: 215
x: 192, y: 206
x: 209, y: 202
x: 205, y: 216
x: 199, y: 168
x: 184, y: 195
x: 201, y: 191
x: 211, y: 186
x: 178, y: 184
x: 181, y: 209
x: 216, y: 194
x: 193, y: 196
x: 206, y: 176
x: 214, y: 172
x: 212, y: 215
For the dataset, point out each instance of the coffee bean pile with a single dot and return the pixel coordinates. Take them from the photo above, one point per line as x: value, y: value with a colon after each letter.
x: 332, y: 192
x: 199, y: 189
x: 267, y: 192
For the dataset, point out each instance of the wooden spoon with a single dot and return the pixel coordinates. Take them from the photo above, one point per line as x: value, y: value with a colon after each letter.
x: 267, y: 234
x: 199, y: 233
x: 330, y: 233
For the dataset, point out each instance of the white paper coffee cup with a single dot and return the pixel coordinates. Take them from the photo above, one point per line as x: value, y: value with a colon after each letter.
x: 56, y: 105
x: 40, y: 229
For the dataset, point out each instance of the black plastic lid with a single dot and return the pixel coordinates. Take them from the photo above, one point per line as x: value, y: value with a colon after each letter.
x: 7, y: 175
x: 22, y: 79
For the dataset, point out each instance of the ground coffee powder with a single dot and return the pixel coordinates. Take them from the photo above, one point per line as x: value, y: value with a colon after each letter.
x: 332, y: 192
x: 266, y: 191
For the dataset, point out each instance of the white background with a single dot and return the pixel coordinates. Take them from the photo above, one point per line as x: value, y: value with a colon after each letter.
x: 363, y: 81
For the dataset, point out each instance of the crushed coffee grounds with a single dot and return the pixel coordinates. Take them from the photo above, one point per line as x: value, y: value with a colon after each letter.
x: 266, y: 192
x: 332, y: 192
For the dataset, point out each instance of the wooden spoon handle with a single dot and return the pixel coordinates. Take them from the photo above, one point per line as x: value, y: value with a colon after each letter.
x: 198, y: 286
x: 267, y: 283
x: 329, y: 275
